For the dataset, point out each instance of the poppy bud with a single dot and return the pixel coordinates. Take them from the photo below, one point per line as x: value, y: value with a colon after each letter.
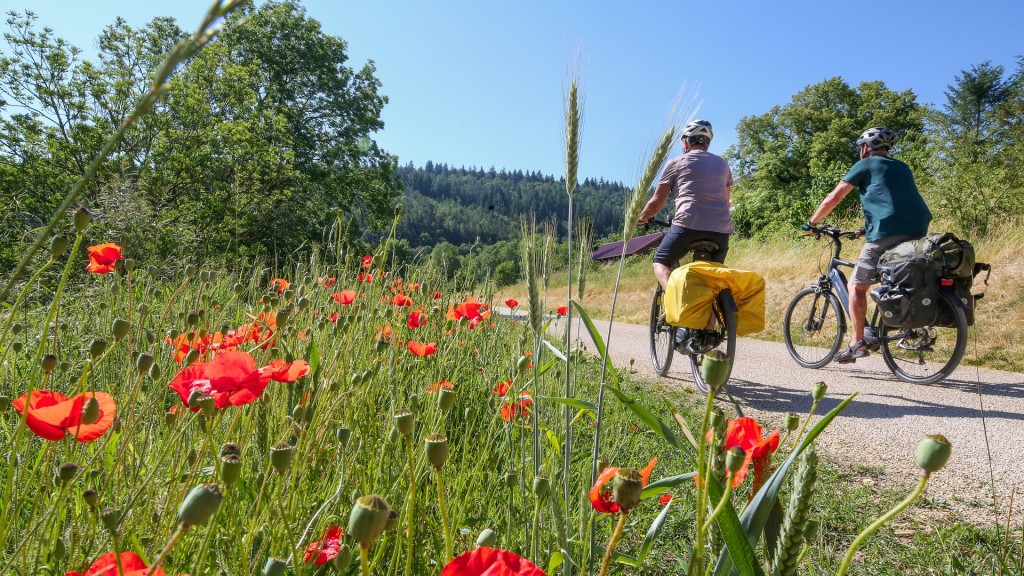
x: 143, y: 362
x: 60, y: 550
x: 17, y: 328
x: 115, y: 290
x: 523, y: 362
x: 405, y: 422
x: 355, y: 379
x: 64, y: 366
x: 199, y: 505
x: 511, y: 478
x: 819, y: 390
x: 414, y: 402
x: 120, y: 328
x: 281, y: 457
x: 97, y: 347
x: 155, y: 372
x: 381, y: 345
x: 602, y: 463
x: 302, y: 303
x: 343, y: 560
x: 367, y: 374
x: 190, y: 270
x: 192, y: 320
x: 194, y: 397
x: 393, y: 435
x: 5, y: 401
x: 230, y: 468
x: 111, y: 519
x: 265, y: 398
x: 436, y: 447
x: 364, y: 145
x: 715, y: 370
x: 811, y: 529
x: 17, y: 346
x: 275, y: 567
x: 205, y: 276
x: 792, y: 422
x: 367, y: 520
x: 191, y: 357
x: 933, y: 452
x: 445, y: 399
x: 170, y: 417
x: 718, y: 418
x: 129, y: 264
x: 343, y: 435
x: 91, y: 411
x: 487, y: 538
x: 734, y: 459
x: 116, y: 425
x: 58, y: 246
x: 238, y: 288
x: 67, y: 471
x: 48, y: 363
x: 627, y: 484
x: 281, y: 319
x: 81, y: 220
x: 299, y: 412
x: 392, y: 521
x: 541, y: 484
x: 288, y: 295
x: 91, y: 497
x: 173, y: 333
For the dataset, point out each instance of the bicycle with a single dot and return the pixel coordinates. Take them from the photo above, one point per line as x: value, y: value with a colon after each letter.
x: 693, y: 343
x: 815, y: 323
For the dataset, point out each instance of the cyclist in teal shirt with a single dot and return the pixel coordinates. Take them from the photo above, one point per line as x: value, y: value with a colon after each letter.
x: 894, y: 212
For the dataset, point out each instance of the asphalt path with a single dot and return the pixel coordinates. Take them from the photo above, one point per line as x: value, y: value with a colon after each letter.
x: 878, y: 432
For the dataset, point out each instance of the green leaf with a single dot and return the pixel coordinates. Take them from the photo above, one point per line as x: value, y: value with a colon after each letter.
x: 314, y: 358
x: 759, y: 509
x: 647, y: 417
x: 625, y: 559
x: 737, y: 548
x: 652, y: 534
x: 659, y: 487
x: 598, y: 341
x: 682, y: 427
x: 558, y: 353
x: 555, y: 561
x: 553, y: 439
x: 546, y: 367
x: 572, y: 402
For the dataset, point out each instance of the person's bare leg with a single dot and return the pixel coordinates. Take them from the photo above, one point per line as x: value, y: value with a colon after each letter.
x: 858, y: 310
x: 662, y: 272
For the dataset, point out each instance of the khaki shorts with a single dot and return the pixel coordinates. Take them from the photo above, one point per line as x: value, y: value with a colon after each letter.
x: 866, y: 270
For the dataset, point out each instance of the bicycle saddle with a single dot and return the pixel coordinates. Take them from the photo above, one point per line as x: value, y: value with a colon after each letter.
x: 703, y: 246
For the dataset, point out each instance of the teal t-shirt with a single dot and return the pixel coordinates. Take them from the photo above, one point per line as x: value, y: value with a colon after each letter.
x: 892, y: 205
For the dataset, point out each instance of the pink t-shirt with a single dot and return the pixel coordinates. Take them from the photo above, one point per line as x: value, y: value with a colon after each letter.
x: 700, y: 182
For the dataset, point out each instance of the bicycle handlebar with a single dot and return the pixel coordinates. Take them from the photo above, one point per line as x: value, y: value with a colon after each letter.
x: 834, y: 232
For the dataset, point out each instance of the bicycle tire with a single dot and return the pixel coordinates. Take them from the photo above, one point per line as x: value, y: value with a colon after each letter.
x: 901, y: 354
x: 724, y: 309
x: 662, y: 335
x: 818, y: 328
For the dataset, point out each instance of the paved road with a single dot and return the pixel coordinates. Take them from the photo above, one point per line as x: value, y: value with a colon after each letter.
x: 882, y: 426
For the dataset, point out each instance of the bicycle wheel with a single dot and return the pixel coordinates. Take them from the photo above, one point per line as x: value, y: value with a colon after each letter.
x: 724, y: 311
x: 663, y: 335
x: 926, y: 355
x: 813, y: 327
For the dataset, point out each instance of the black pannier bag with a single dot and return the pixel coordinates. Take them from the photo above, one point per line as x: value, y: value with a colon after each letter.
x: 962, y: 287
x: 909, y: 291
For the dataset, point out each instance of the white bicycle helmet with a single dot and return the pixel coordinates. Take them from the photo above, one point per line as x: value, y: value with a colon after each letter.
x: 877, y: 137
x: 698, y: 130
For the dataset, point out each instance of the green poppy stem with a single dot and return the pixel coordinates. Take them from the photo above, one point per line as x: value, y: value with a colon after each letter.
x: 845, y: 565
x: 364, y: 559
x: 702, y: 490
x: 721, y: 504
x: 178, y: 533
x: 445, y: 526
x: 410, y: 509
x: 613, y: 542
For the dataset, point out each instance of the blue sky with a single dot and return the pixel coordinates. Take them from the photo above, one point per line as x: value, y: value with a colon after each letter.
x: 481, y: 83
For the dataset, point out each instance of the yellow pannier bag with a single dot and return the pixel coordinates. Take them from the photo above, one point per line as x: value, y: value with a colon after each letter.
x: 693, y: 287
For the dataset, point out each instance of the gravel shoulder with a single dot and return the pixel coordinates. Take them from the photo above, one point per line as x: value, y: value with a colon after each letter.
x: 880, y: 429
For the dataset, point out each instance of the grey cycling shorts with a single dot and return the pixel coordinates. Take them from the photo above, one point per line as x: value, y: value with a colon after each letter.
x: 866, y: 270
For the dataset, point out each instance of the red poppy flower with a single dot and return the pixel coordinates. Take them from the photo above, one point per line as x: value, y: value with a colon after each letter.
x: 231, y: 378
x: 746, y: 433
x: 416, y: 319
x: 502, y: 388
x: 103, y: 258
x: 437, y: 296
x: 414, y: 287
x: 334, y: 317
x: 280, y: 283
x: 384, y: 333
x: 665, y: 498
x: 470, y: 308
x: 282, y: 371
x: 422, y: 348
x: 512, y: 303
x: 345, y: 297
x: 327, y: 282
x: 365, y: 277
x: 367, y: 261
x: 401, y: 299
x: 51, y: 415
x: 484, y: 561
x: 520, y: 408
x: 106, y: 565
x: 474, y: 322
x: 563, y: 310
x: 603, y: 500
x: 438, y: 385
x: 327, y: 548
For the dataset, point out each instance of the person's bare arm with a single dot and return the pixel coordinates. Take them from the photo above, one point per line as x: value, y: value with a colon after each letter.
x: 831, y: 201
x: 656, y: 203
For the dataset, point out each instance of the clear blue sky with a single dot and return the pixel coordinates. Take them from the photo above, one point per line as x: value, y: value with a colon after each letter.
x: 481, y: 83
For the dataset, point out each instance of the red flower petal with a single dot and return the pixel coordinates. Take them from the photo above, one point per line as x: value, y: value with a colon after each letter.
x: 282, y: 371
x: 484, y: 561
x: 89, y: 432
x: 600, y: 499
x: 327, y: 548
x: 512, y: 303
x: 47, y: 412
x: 422, y: 349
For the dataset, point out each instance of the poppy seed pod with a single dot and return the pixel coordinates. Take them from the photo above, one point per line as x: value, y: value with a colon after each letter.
x: 205, y: 276
x: 392, y: 521
x: 281, y: 457
x: 230, y: 448
x: 367, y: 520
x: 715, y: 370
x: 143, y: 362
x: 111, y: 519
x: 541, y: 484
x: 58, y: 246
x: 627, y: 484
x: 116, y: 425
x: 97, y: 347
x: 405, y: 422
x: 67, y: 471
x: 190, y: 270
x: 933, y: 452
x: 90, y: 497
x: 288, y: 295
x: 792, y: 421
x: 718, y: 418
x: 511, y: 478
x: 343, y: 435
x: 487, y: 538
x: 523, y: 362
x: 199, y: 505
x: 343, y: 560
x: 48, y: 363
x: 91, y: 411
x: 734, y: 459
x: 819, y: 391
x: 120, y: 328
x: 445, y: 399
x: 81, y: 220
x: 436, y: 447
x: 275, y: 567
x: 155, y: 372
x: 230, y: 468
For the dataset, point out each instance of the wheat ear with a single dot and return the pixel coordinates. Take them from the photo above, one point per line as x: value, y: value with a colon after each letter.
x: 792, y: 538
x: 639, y: 195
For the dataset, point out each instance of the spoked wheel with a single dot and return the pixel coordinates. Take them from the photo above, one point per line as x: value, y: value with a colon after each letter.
x: 662, y: 335
x: 721, y: 338
x: 813, y: 327
x: 926, y: 355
